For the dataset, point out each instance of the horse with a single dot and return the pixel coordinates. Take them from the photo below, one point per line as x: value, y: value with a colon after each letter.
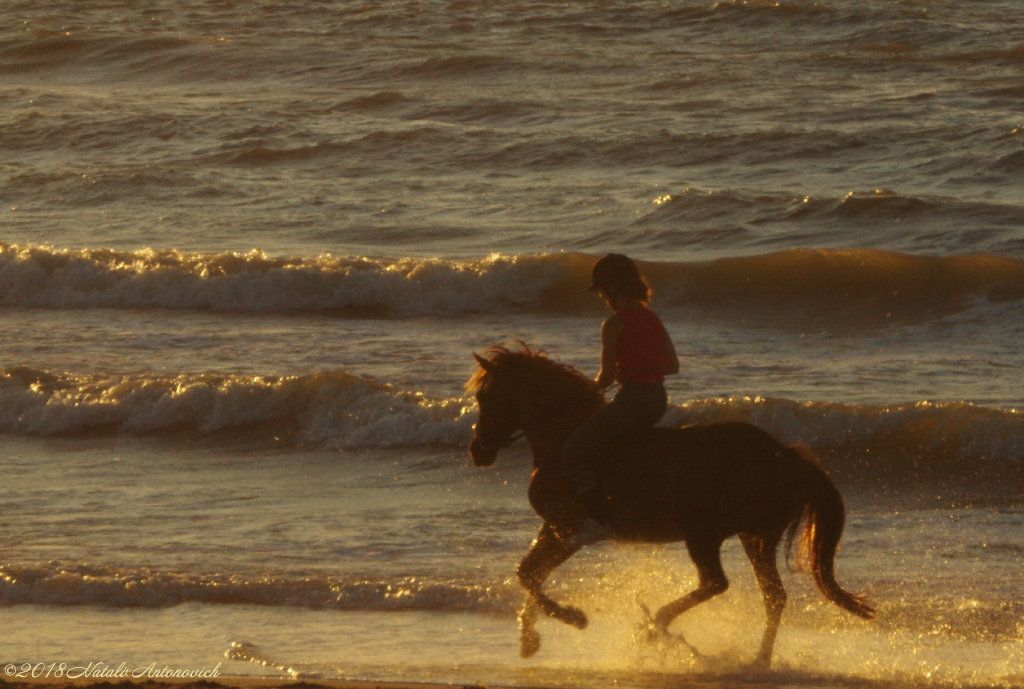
x: 699, y: 484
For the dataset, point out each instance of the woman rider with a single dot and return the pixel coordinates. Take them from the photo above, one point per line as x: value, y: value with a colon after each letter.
x: 637, y: 352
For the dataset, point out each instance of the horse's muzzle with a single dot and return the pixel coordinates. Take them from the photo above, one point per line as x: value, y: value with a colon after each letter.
x: 483, y: 455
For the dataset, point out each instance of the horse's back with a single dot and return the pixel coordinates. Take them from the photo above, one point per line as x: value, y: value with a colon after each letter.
x: 713, y: 447
x: 729, y: 474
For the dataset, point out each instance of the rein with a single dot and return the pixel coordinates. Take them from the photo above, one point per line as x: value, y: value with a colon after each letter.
x: 503, y: 444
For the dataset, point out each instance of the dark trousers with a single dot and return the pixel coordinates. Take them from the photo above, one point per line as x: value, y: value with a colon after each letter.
x: 636, y: 406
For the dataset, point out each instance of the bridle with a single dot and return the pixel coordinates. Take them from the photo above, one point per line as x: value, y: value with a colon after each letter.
x: 494, y: 446
x: 484, y: 449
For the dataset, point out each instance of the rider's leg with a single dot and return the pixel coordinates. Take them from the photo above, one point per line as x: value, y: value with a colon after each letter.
x: 636, y: 406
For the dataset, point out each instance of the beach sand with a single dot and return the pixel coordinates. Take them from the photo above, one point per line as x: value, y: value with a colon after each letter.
x: 752, y: 679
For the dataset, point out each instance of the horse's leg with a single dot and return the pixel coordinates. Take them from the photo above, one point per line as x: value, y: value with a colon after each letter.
x: 529, y: 639
x: 761, y: 549
x: 547, y: 553
x: 712, y: 581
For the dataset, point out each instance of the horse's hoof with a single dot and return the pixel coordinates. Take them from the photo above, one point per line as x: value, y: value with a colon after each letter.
x: 575, y: 617
x: 660, y: 636
x: 760, y: 664
x: 529, y: 644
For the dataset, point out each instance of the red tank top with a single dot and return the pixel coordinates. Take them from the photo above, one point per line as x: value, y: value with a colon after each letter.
x: 641, y: 346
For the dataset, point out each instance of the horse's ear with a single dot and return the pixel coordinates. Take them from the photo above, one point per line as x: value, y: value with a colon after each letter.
x: 484, y: 363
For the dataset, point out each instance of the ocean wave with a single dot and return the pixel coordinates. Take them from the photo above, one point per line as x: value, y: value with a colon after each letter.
x: 759, y: 11
x: 488, y: 110
x: 260, y: 155
x: 96, y: 129
x: 838, y: 286
x: 258, y: 149
x: 870, y: 211
x: 59, y: 584
x: 911, y: 437
x: 45, y: 49
x: 333, y: 410
x: 461, y: 65
x: 855, y: 286
x: 675, y: 150
x: 1008, y: 56
x: 832, y: 288
x: 82, y: 48
x: 341, y: 410
x: 44, y: 277
x: 1011, y: 162
x: 374, y: 101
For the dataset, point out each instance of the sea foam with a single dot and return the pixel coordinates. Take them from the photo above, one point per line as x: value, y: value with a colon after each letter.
x: 338, y: 409
x: 71, y: 584
x: 45, y: 277
x: 331, y: 409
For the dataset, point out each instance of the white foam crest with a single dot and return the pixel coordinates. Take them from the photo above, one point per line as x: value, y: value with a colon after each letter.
x: 332, y: 409
x: 46, y: 277
x: 340, y: 410
x: 62, y: 584
x: 359, y: 416
x: 968, y: 430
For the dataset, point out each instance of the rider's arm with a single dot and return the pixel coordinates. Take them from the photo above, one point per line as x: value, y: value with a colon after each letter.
x: 610, y: 331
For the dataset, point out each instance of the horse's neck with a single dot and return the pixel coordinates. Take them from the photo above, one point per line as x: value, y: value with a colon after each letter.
x: 545, y: 448
x: 548, y: 433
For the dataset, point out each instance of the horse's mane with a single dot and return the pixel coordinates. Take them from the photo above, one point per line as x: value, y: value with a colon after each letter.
x: 527, y: 361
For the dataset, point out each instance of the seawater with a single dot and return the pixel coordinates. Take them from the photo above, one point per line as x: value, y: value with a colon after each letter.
x: 247, y: 252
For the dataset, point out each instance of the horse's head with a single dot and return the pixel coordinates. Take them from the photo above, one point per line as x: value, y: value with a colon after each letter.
x: 499, y: 415
x: 523, y: 390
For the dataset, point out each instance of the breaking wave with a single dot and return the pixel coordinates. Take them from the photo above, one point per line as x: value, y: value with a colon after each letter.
x: 832, y: 284
x: 332, y: 409
x: 44, y: 277
x: 342, y: 410
x: 920, y: 433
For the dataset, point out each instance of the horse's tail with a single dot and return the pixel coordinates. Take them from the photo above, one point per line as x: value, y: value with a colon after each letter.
x: 823, y: 519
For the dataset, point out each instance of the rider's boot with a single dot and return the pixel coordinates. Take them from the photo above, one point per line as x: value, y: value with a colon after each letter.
x: 596, y: 528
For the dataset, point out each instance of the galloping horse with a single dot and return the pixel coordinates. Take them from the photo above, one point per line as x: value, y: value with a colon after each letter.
x: 699, y: 484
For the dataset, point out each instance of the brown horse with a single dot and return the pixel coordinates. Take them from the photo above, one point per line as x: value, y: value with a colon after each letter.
x: 699, y: 484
